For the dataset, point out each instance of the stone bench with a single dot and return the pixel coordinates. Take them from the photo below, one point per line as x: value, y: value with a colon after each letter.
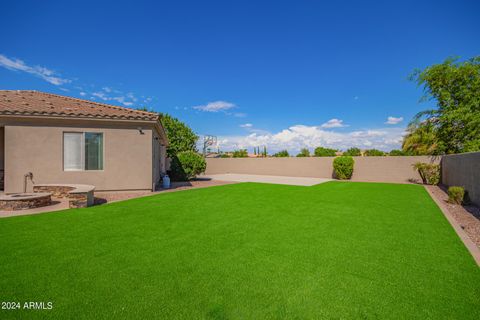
x: 78, y: 195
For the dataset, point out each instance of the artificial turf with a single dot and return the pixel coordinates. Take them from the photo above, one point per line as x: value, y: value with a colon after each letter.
x: 244, y: 251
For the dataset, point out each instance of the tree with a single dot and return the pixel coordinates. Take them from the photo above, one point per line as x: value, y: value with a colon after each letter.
x: 180, y: 136
x: 421, y: 139
x: 396, y: 152
x: 455, y: 121
x: 187, y: 165
x: 374, y: 153
x: 324, y: 152
x: 304, y: 153
x: 353, y: 152
x: 265, y: 151
x: 282, y: 153
x: 242, y: 153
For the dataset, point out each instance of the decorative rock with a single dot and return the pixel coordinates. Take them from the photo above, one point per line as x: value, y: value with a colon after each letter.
x: 22, y: 201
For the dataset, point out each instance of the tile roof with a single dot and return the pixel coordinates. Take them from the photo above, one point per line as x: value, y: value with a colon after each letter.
x: 35, y: 103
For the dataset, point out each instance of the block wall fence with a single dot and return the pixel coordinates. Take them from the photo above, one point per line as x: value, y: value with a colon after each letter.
x: 456, y: 170
x: 374, y: 169
x: 463, y: 170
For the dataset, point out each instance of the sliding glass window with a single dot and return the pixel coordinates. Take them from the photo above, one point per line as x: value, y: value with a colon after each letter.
x: 82, y: 151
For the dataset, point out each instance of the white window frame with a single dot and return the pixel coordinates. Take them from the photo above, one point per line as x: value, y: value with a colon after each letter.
x: 82, y: 151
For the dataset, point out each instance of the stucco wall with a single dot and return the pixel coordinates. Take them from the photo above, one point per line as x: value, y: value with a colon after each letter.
x: 463, y: 170
x: 39, y: 149
x: 2, y: 132
x: 378, y: 169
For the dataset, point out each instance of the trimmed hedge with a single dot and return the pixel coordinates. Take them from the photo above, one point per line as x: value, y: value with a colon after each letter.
x: 187, y: 165
x: 343, y: 167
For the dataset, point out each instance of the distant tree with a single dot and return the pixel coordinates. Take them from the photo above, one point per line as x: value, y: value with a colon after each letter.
x: 324, y: 152
x: 396, y: 152
x: 421, y: 139
x: 180, y: 136
x: 353, y: 152
x: 242, y: 153
x: 304, y: 153
x: 455, y: 121
x: 265, y: 151
x: 282, y: 153
x: 146, y: 109
x: 225, y: 155
x: 255, y: 150
x: 374, y: 153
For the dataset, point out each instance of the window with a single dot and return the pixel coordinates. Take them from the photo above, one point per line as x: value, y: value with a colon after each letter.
x: 82, y: 151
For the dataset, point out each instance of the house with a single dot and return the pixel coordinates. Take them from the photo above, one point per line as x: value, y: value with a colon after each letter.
x: 68, y: 140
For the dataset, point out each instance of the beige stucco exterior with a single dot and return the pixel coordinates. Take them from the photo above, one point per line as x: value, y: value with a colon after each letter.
x: 36, y: 145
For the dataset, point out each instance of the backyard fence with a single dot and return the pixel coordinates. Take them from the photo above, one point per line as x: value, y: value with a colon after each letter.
x: 463, y: 170
x: 374, y: 169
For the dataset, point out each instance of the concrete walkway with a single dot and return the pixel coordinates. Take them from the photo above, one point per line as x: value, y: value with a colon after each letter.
x: 295, y: 181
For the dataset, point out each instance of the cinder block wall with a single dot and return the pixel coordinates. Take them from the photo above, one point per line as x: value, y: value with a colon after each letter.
x: 375, y: 169
x: 463, y: 170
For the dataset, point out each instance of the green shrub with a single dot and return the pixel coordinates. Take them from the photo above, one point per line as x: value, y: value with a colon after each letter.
x: 354, y: 152
x: 456, y: 195
x: 429, y: 172
x: 242, y: 153
x: 374, y: 153
x: 304, y: 153
x: 397, y: 153
x: 187, y: 165
x: 343, y: 167
x: 324, y: 152
x: 281, y: 154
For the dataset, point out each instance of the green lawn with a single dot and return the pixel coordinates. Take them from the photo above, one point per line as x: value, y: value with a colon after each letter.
x: 244, y: 251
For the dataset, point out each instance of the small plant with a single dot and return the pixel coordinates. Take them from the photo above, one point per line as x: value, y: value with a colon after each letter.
x: 187, y: 165
x: 343, y: 167
x: 456, y: 195
x: 429, y: 172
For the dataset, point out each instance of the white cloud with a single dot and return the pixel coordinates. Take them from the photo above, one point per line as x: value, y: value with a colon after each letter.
x: 394, y: 120
x: 100, y: 95
x: 215, y: 106
x: 334, y: 123
x: 239, y: 114
x: 125, y: 100
x: 42, y: 72
x: 300, y: 136
x: 246, y: 125
x: 83, y: 94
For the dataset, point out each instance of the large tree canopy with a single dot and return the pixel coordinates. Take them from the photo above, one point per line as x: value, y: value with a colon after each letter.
x: 181, y: 137
x: 453, y: 126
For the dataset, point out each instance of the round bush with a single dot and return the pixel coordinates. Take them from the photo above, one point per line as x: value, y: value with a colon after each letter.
x: 343, y: 167
x: 456, y: 194
x: 187, y: 165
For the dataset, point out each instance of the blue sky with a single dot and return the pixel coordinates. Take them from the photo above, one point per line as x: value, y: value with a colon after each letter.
x: 285, y: 74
